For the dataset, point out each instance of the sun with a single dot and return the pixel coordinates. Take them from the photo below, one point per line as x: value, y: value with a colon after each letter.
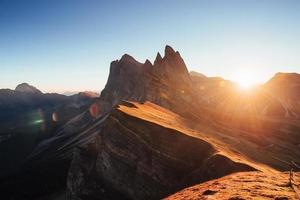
x: 245, y: 84
x: 246, y: 79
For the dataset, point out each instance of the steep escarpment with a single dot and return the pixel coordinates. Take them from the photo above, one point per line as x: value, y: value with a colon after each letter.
x: 140, y: 159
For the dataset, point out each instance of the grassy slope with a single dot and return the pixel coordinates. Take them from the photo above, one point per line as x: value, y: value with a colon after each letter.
x: 243, y: 185
x: 156, y: 114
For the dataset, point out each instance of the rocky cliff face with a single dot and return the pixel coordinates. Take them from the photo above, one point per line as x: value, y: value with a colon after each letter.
x: 139, y: 158
x: 166, y: 83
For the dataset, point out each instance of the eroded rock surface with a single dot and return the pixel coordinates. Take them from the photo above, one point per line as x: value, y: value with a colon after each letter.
x: 143, y: 160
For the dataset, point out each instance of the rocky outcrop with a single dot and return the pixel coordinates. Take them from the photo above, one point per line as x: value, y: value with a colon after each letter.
x: 166, y: 82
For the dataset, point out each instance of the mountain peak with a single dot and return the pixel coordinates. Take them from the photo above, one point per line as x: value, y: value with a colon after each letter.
x: 158, y: 59
x: 25, y: 87
x: 284, y: 78
x: 90, y: 94
x: 148, y: 62
x: 285, y: 75
x: 169, y: 50
x: 127, y: 58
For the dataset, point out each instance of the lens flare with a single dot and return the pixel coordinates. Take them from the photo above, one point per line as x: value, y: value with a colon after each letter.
x: 94, y: 110
x: 39, y: 120
x: 54, y: 117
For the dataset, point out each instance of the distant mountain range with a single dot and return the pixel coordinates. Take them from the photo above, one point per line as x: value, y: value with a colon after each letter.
x: 26, y: 118
x: 155, y: 129
x: 92, y: 93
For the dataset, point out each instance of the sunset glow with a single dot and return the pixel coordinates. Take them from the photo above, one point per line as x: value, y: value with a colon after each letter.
x: 246, y: 79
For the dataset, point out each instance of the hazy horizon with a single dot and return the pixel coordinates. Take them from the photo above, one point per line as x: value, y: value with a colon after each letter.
x: 60, y: 46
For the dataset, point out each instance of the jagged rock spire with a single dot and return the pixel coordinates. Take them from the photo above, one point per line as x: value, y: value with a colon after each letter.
x: 169, y: 51
x: 147, y: 65
x: 158, y: 59
x: 147, y: 62
x: 127, y: 58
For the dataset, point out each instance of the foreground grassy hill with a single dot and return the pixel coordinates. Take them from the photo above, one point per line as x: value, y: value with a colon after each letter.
x: 242, y: 186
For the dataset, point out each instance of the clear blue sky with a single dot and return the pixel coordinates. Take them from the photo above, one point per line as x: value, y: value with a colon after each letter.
x: 67, y: 45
